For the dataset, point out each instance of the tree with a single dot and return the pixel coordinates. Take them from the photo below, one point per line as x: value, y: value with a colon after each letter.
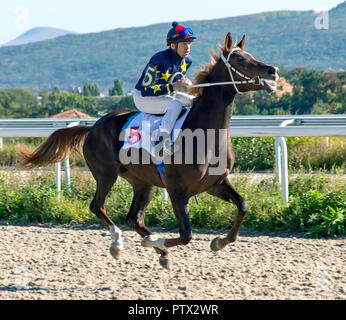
x: 63, y: 101
x: 117, y: 89
x: 309, y: 88
x: 19, y: 103
x: 92, y: 90
x: 244, y: 105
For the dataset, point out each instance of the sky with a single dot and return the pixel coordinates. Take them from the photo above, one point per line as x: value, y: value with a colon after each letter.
x: 85, y: 16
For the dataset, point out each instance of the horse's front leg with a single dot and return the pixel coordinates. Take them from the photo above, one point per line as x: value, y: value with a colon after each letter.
x: 142, y: 195
x: 226, y: 192
x: 180, y: 205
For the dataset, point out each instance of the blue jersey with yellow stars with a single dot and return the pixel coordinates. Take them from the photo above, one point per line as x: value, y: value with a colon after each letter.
x: 158, y: 72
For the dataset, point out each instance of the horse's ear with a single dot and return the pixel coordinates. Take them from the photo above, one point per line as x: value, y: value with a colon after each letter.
x: 241, y: 44
x: 228, y: 42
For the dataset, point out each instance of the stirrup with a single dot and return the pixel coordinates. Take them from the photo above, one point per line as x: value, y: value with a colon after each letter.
x: 169, y: 150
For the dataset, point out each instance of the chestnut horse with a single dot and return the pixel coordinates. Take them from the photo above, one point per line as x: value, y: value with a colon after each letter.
x: 233, y: 71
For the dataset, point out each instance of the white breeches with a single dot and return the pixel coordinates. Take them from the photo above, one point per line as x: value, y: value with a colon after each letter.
x: 164, y: 104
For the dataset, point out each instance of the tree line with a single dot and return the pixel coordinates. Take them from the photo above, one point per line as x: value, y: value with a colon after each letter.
x: 24, y: 103
x: 311, y: 92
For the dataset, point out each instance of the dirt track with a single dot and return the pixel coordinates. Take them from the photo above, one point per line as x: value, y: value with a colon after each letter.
x: 46, y: 262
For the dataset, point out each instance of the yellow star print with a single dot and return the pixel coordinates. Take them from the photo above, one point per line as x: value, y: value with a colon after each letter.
x: 166, y: 75
x: 183, y: 66
x: 156, y: 88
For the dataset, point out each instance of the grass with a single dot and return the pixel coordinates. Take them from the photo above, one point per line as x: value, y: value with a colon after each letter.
x: 316, y: 207
x: 315, y: 153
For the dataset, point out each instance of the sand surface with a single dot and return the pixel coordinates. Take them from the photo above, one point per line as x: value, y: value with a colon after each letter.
x: 64, y: 262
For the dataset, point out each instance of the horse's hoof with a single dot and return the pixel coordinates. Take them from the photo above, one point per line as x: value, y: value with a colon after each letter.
x: 214, y: 245
x: 165, y: 262
x: 115, y: 252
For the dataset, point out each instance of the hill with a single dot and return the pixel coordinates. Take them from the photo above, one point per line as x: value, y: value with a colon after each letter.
x: 37, y: 34
x: 285, y: 38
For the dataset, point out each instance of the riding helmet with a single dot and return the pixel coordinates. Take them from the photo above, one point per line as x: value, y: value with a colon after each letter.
x: 179, y: 33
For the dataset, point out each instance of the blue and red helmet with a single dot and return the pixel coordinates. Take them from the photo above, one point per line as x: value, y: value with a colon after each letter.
x: 179, y: 33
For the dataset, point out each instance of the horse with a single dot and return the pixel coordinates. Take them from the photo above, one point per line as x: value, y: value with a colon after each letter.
x: 211, y: 110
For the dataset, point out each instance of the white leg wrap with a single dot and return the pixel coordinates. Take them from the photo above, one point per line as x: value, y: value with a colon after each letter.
x: 151, y: 241
x: 116, y: 237
x: 159, y: 243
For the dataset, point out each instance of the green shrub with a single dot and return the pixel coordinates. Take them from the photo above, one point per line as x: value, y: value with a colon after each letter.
x: 40, y: 203
x: 317, y: 214
x: 254, y: 153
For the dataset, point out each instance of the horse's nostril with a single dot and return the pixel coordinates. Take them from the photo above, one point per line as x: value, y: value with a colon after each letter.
x: 271, y: 70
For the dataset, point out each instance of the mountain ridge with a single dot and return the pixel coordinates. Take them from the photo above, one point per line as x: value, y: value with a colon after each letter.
x: 37, y: 34
x: 285, y: 38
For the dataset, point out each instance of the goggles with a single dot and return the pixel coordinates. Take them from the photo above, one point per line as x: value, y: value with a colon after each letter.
x: 185, y: 32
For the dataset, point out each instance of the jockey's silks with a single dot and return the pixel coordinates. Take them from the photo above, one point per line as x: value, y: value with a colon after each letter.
x: 165, y: 64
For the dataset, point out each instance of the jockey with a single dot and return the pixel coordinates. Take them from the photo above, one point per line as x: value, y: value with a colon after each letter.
x: 157, y: 93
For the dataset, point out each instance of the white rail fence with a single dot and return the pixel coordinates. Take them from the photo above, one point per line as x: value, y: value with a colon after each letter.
x: 241, y: 126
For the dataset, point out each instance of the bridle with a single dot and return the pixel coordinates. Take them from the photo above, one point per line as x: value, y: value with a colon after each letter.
x: 256, y: 80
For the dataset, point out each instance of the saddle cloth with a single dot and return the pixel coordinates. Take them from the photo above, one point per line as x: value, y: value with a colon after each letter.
x: 138, y: 130
x: 140, y: 126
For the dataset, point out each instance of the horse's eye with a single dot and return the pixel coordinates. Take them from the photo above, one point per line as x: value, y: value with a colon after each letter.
x: 240, y: 59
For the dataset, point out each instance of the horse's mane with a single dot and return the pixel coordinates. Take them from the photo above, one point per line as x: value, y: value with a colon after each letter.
x: 202, y: 75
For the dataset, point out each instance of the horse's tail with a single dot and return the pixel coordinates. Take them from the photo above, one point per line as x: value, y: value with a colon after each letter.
x: 55, y: 149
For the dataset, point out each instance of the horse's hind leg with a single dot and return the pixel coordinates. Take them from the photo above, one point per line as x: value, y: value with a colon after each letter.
x: 226, y: 192
x: 142, y: 195
x: 104, y: 185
